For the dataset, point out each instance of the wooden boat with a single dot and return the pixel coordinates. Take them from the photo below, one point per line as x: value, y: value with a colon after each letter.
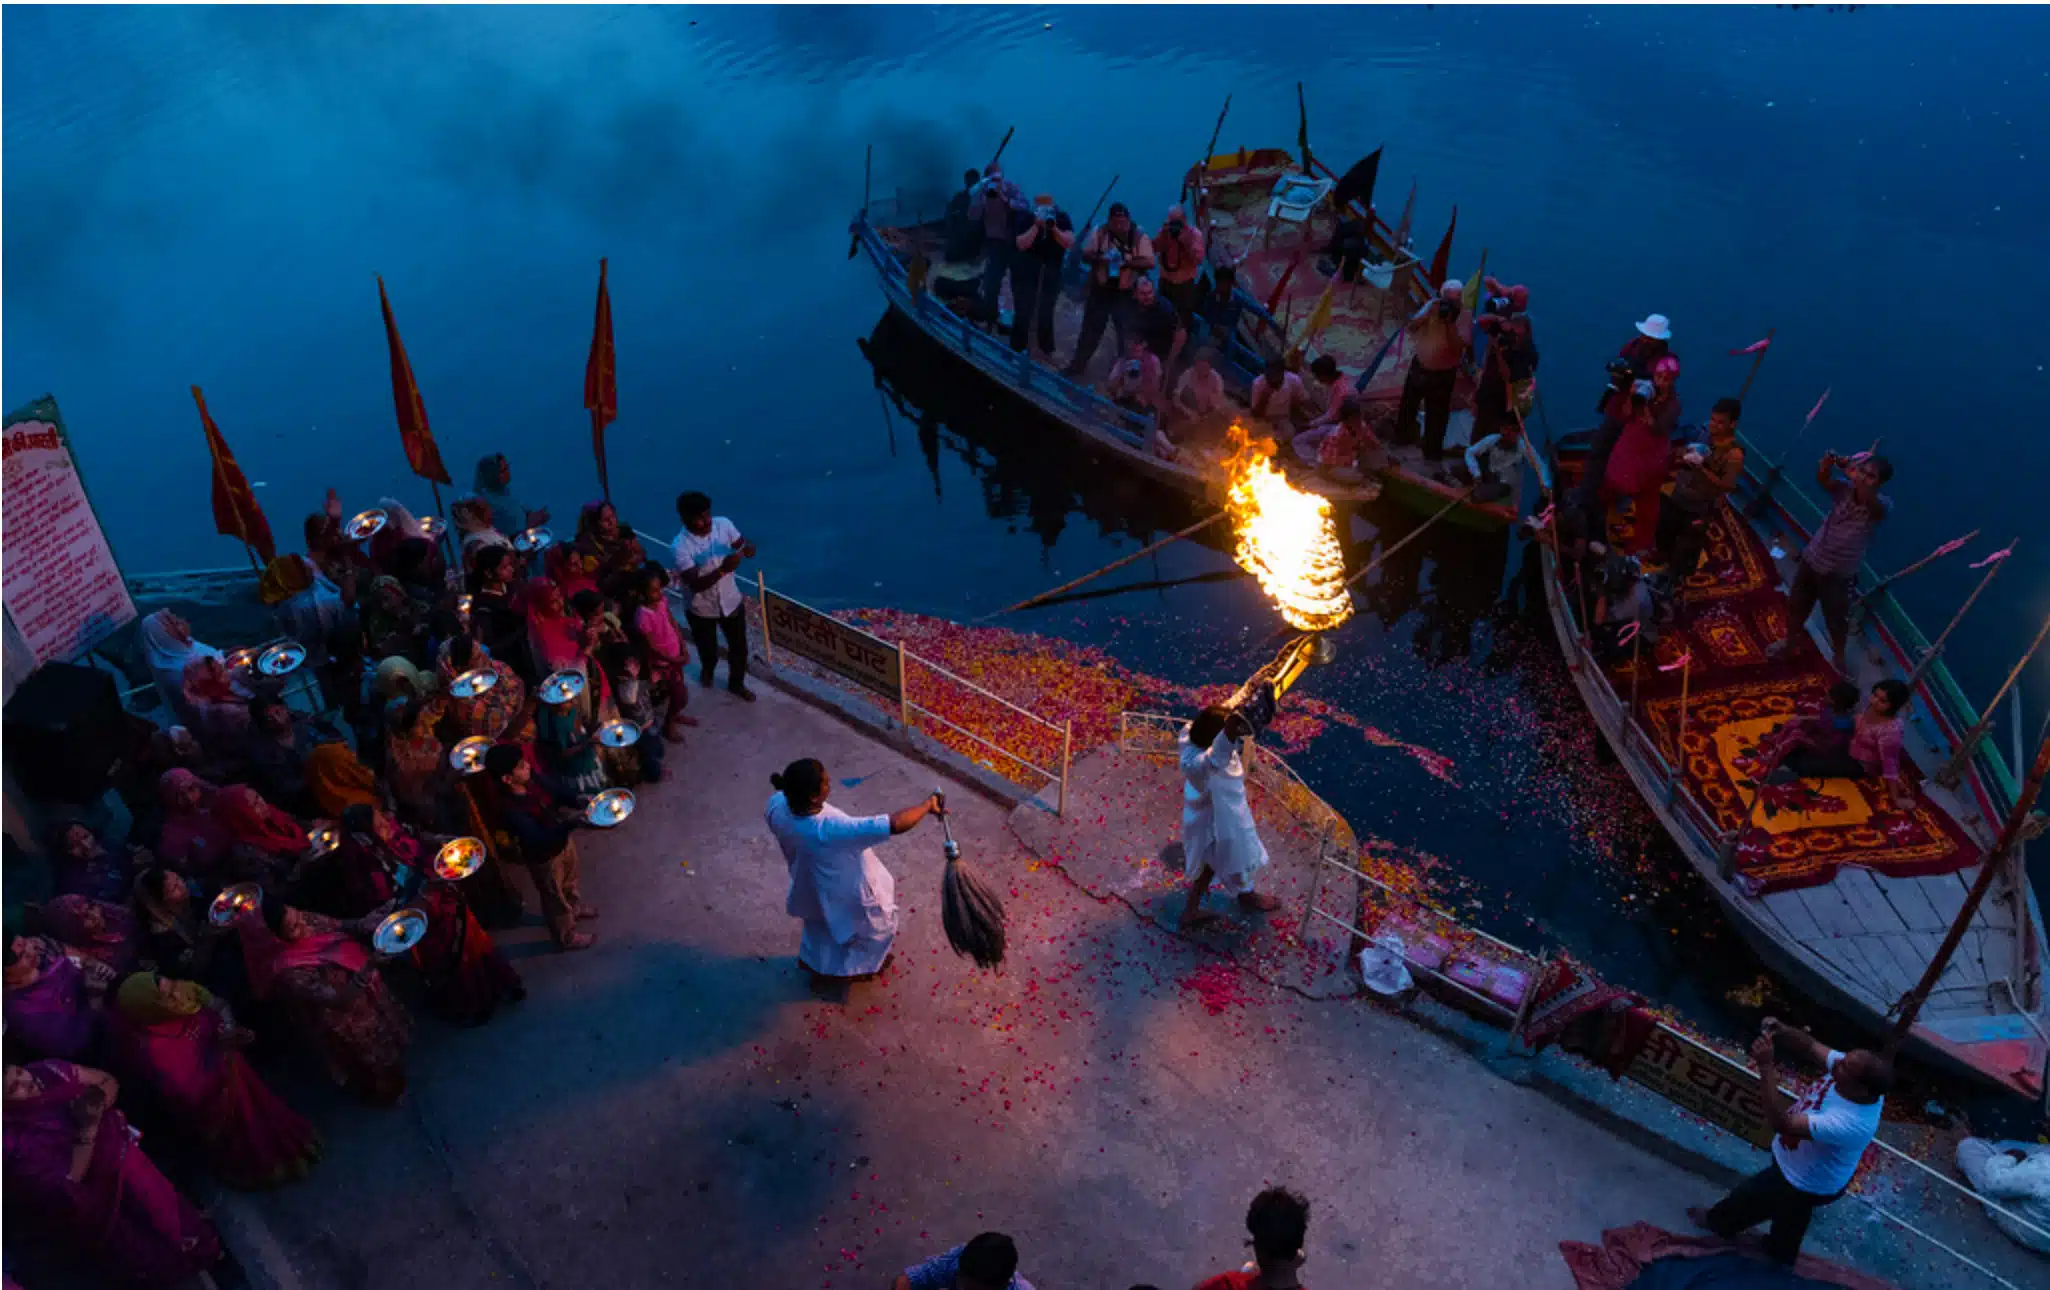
x: 1362, y: 316
x: 1844, y: 897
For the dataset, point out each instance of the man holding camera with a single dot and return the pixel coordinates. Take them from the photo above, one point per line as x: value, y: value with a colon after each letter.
x: 1036, y: 274
x: 1440, y: 333
x: 1179, y: 246
x: 1707, y: 474
x: 993, y: 208
x: 1118, y: 254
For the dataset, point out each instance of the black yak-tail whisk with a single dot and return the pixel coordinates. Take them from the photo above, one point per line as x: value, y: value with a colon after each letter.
x: 970, y: 909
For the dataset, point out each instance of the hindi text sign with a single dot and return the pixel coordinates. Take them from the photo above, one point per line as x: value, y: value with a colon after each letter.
x: 1702, y: 1081
x: 868, y: 661
x: 64, y: 592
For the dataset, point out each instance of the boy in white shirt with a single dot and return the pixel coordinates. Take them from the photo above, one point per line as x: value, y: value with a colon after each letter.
x: 1819, y: 1141
x: 707, y: 550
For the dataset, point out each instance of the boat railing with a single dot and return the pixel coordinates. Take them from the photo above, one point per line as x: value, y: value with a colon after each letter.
x: 1014, y: 368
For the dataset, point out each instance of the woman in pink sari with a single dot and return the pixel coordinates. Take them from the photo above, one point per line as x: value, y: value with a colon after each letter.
x: 52, y: 997
x: 192, y: 840
x: 328, y: 981
x: 182, y: 1043
x: 264, y: 841
x: 555, y: 635
x: 78, y: 1174
x: 485, y: 714
x: 96, y: 929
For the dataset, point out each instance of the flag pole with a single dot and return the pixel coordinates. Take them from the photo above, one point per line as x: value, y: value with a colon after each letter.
x: 1756, y: 359
x: 1928, y: 660
x: 1772, y: 476
x: 1953, y: 770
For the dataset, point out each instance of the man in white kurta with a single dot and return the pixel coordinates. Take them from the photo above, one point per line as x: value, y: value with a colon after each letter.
x: 845, y: 897
x: 1220, y: 842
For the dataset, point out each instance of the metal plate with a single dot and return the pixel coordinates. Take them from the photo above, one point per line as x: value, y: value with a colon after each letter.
x: 460, y: 858
x: 233, y: 902
x: 609, y: 807
x: 366, y: 524
x: 561, y: 687
x: 468, y: 755
x: 240, y: 660
x: 473, y: 682
x: 534, y: 539
x: 619, y: 734
x: 463, y: 604
x: 281, y: 659
x: 432, y: 526
x: 400, y: 932
x: 322, y: 838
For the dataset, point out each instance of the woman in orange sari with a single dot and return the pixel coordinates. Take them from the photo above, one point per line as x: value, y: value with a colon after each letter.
x: 182, y: 1043
x: 329, y: 985
x: 338, y: 781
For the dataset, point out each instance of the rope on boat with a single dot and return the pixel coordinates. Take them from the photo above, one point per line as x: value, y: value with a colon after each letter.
x: 1115, y: 564
x: 1413, y: 534
x: 1955, y: 1185
x: 1898, y: 1221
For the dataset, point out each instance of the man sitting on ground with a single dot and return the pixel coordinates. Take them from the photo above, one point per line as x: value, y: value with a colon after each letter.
x: 1199, y: 395
x: 1343, y: 446
x: 1279, y: 399
x: 1135, y: 382
x: 1279, y: 1222
x: 1819, y: 1141
x: 1328, y: 388
x: 1155, y: 321
x: 1220, y: 308
x: 989, y: 1262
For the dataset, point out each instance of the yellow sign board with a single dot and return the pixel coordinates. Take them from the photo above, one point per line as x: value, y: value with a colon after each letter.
x: 868, y: 661
x: 1703, y: 1081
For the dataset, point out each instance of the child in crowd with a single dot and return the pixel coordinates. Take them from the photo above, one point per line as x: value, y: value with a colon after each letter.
x: 563, y: 739
x: 635, y: 694
x: 664, y: 654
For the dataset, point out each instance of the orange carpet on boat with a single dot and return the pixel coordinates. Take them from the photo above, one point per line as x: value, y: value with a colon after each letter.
x: 1801, y: 833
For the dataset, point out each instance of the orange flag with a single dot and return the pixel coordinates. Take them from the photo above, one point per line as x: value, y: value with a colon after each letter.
x: 421, y: 454
x: 236, y: 513
x: 601, y: 387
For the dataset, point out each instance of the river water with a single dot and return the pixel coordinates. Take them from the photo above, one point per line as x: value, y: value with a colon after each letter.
x: 202, y: 196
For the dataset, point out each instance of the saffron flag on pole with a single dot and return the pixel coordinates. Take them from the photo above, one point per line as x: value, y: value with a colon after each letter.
x: 1755, y: 347
x: 1470, y: 298
x: 1274, y: 297
x: 1320, y: 317
x: 236, y: 513
x: 1996, y: 557
x: 1442, y: 261
x: 421, y: 453
x: 601, y: 389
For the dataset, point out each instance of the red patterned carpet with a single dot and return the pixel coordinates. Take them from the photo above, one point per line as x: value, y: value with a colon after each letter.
x: 1800, y: 834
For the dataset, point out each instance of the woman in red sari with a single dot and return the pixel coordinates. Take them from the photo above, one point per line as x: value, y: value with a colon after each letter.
x: 329, y: 985
x: 264, y: 842
x: 182, y: 1043
x: 466, y: 975
x: 78, y: 1174
x: 486, y: 714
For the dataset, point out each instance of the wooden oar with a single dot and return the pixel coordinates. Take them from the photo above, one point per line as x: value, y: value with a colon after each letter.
x: 1115, y: 564
x: 1210, y: 151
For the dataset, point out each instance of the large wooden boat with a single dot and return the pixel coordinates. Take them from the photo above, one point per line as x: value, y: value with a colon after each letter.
x: 908, y: 258
x: 1843, y: 895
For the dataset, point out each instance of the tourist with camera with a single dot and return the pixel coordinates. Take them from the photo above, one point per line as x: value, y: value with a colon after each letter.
x: 996, y: 206
x: 1036, y: 274
x: 1439, y: 334
x: 1118, y: 254
x: 1179, y: 246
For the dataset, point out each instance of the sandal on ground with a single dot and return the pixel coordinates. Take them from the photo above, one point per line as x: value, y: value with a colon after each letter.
x: 575, y: 941
x: 1258, y: 900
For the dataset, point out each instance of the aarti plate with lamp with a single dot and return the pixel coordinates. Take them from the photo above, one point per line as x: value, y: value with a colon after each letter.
x: 366, y: 524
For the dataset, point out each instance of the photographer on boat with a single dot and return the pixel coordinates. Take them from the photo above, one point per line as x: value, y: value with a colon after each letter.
x: 1707, y: 472
x: 1118, y: 254
x: 1638, y: 357
x: 996, y: 207
x: 1036, y: 274
x: 1179, y: 245
x: 1439, y: 334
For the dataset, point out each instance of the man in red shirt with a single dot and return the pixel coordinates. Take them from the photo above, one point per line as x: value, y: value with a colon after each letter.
x: 1278, y: 1220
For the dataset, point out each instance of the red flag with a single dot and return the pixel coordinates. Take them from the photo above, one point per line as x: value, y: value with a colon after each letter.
x: 601, y: 388
x: 236, y: 513
x: 1755, y: 347
x: 421, y: 454
x: 1442, y: 261
x: 1274, y: 298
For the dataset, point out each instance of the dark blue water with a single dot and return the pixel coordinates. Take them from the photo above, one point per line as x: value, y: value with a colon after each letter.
x: 203, y: 195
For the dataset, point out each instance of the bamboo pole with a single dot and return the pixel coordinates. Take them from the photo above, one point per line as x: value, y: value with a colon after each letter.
x: 1067, y: 756
x: 1955, y: 544
x: 1778, y: 468
x: 1680, y: 748
x: 1115, y: 564
x: 1928, y: 660
x: 1756, y: 359
x: 1954, y: 770
x: 1910, y: 1005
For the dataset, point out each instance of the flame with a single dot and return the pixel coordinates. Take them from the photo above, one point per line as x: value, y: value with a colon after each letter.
x: 1286, y: 538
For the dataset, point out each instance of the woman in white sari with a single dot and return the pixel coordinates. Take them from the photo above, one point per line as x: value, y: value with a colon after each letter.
x: 1220, y: 842
x: 845, y: 897
x: 168, y: 645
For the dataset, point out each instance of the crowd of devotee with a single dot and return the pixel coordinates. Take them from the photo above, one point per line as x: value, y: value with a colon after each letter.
x: 278, y: 823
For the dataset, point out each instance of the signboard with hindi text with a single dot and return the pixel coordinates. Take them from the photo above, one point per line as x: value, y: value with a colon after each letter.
x: 868, y: 661
x: 1700, y: 1080
x: 64, y: 593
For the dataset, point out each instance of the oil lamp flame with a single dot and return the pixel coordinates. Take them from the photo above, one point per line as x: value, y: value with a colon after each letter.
x: 1287, y: 538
